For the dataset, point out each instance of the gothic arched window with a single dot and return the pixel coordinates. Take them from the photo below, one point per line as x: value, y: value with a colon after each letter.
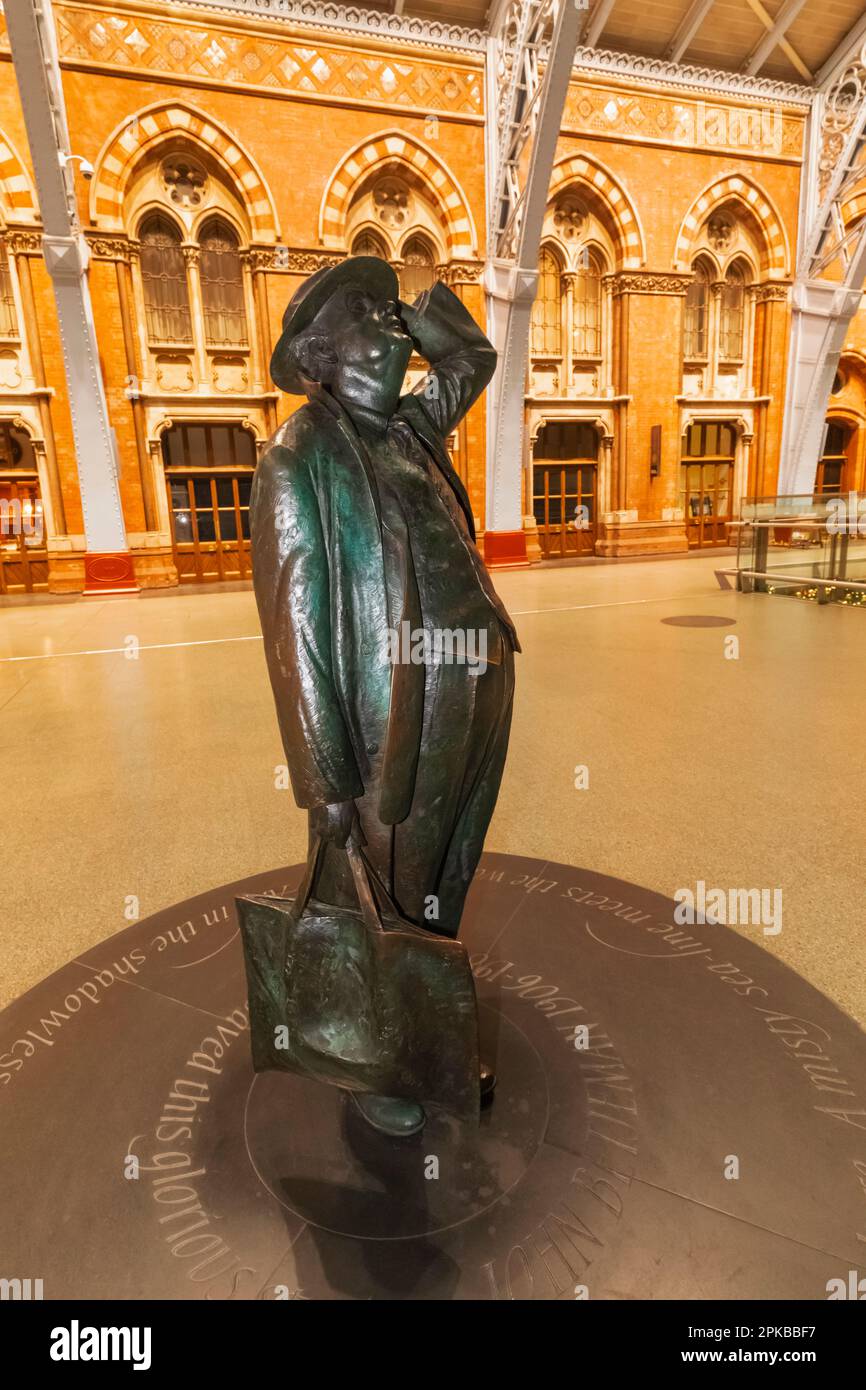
x: 418, y: 273
x: 368, y: 244
x: 586, y: 306
x: 697, y: 304
x: 163, y: 273
x: 732, y: 314
x: 547, y: 308
x: 222, y: 286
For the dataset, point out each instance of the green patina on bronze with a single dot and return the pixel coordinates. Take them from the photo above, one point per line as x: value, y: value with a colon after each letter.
x: 361, y: 528
x: 361, y: 999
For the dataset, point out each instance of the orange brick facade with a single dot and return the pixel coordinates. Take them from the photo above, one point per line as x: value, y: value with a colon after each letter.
x: 304, y: 142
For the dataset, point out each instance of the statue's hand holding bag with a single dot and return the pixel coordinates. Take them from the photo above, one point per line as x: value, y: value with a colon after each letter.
x: 360, y: 997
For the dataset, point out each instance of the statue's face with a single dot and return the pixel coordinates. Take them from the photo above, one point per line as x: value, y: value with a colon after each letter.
x: 371, y: 345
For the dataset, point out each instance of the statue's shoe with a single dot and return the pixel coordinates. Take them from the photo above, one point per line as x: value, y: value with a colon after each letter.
x: 388, y: 1115
x: 487, y: 1078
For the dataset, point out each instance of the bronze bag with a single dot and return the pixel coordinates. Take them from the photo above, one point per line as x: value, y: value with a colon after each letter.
x: 360, y: 997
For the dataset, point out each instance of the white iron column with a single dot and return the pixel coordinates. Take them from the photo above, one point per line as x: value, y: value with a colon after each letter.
x: 831, y: 267
x: 529, y: 62
x: 108, y: 564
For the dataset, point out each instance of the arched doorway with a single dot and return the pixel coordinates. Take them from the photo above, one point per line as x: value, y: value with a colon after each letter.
x: 564, y: 471
x: 209, y: 473
x: 707, y: 481
x: 23, y: 550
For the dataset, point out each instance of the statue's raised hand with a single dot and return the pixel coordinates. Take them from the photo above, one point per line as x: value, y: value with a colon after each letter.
x: 410, y: 314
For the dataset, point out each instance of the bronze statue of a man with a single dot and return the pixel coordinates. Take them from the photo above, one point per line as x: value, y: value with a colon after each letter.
x: 390, y: 654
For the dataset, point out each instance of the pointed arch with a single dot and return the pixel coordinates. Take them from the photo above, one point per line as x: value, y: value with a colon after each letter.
x: 395, y: 146
x: 154, y: 125
x: 710, y: 263
x: 17, y: 194
x: 612, y: 204
x: 737, y: 188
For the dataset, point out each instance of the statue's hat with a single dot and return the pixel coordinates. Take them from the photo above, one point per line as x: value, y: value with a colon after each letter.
x: 369, y: 273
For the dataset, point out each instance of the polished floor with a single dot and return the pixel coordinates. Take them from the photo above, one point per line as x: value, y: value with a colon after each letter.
x: 139, y: 752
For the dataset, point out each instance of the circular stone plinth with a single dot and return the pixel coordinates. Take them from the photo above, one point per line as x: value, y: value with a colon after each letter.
x: 678, y: 1115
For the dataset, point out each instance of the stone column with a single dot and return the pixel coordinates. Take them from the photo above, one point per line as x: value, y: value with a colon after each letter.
x: 613, y: 378
x: 260, y: 260
x: 604, y: 480
x: 749, y: 340
x: 714, y: 323
x: 464, y: 278
x: 154, y: 447
x: 772, y: 326
x: 607, y: 385
x: 254, y: 341
x: 192, y: 256
x: 566, y: 381
x: 119, y: 250
x: 619, y: 490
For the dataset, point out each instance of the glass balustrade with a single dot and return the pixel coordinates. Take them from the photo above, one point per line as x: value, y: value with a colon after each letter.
x: 811, y: 547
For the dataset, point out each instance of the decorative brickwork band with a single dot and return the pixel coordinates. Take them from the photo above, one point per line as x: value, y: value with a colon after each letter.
x: 772, y: 290
x: 647, y: 282
x: 775, y: 259
x: 109, y: 248
x: 24, y: 243
x: 390, y: 147
x: 292, y: 260
x: 155, y: 126
x: 460, y: 272
x: 616, y: 208
x: 16, y: 190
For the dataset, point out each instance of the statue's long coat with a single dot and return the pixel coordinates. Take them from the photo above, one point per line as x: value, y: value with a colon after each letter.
x: 351, y: 722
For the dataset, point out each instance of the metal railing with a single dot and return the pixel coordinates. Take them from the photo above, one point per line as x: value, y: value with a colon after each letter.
x: 810, y: 546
